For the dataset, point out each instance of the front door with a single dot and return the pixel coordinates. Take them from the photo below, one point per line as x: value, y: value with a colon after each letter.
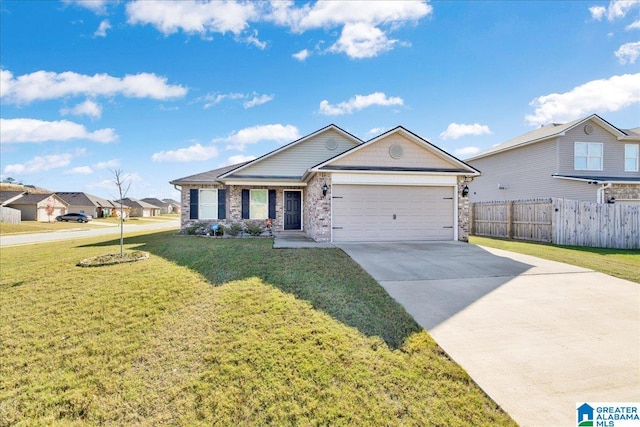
x: 292, y: 210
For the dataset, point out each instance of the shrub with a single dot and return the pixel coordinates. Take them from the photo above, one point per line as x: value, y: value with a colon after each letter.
x: 233, y: 230
x: 254, y: 229
x: 198, y: 228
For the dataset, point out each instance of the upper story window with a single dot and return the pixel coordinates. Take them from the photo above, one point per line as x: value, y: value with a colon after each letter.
x: 259, y: 204
x: 631, y: 154
x: 208, y: 204
x: 587, y: 156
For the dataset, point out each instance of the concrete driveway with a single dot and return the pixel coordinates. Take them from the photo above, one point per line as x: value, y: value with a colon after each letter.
x: 538, y: 336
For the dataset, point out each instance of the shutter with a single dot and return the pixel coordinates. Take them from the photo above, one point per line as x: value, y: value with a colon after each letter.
x: 222, y: 204
x: 193, y: 203
x: 272, y: 204
x: 245, y: 204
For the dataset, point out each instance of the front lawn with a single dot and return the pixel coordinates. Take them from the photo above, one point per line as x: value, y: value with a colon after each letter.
x: 622, y: 263
x: 216, y: 332
x: 40, y: 227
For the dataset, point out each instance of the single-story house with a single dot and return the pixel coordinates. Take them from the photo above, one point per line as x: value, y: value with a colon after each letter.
x: 164, y: 206
x: 587, y: 159
x: 138, y: 208
x: 87, y: 204
x: 39, y: 207
x: 335, y: 187
x: 174, y: 207
x: 8, y: 196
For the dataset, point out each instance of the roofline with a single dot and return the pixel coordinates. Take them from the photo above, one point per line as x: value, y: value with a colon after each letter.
x: 595, y: 180
x: 418, y: 138
x: 297, y: 141
x: 556, y: 135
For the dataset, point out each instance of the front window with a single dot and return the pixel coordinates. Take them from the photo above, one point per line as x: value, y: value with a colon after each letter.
x: 259, y: 204
x: 587, y: 156
x: 631, y: 154
x: 208, y: 204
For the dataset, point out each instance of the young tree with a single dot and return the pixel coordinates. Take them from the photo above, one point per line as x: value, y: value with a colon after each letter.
x: 123, y: 183
x: 49, y: 209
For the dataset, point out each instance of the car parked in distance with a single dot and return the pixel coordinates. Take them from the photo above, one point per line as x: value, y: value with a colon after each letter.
x: 78, y: 217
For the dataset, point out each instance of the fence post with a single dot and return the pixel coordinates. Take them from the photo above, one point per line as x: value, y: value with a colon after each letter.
x: 510, y: 219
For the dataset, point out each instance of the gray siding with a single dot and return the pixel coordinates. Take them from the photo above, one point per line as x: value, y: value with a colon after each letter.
x: 295, y: 160
x: 613, y: 152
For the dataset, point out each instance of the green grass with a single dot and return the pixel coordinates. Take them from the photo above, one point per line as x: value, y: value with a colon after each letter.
x: 40, y: 227
x: 216, y: 332
x: 622, y: 263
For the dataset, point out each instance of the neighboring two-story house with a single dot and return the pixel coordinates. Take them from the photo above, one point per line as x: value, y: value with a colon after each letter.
x: 587, y: 159
x: 335, y: 187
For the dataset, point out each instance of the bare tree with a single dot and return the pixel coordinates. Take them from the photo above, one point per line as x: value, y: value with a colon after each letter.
x: 123, y: 183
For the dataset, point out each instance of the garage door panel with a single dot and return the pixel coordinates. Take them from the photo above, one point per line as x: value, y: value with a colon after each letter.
x: 366, y: 213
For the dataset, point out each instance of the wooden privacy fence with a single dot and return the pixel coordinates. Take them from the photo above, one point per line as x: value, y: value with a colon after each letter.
x: 559, y: 221
x: 10, y: 215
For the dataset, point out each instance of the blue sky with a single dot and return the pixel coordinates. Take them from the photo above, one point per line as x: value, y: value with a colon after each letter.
x: 162, y: 90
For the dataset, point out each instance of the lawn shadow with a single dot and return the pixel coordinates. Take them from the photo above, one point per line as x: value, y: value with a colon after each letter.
x: 327, y: 278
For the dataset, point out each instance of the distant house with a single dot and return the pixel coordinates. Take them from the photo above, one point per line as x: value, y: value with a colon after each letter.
x: 588, y: 159
x: 164, y: 206
x: 6, y: 197
x: 174, y: 207
x: 140, y: 208
x: 33, y: 207
x: 87, y: 204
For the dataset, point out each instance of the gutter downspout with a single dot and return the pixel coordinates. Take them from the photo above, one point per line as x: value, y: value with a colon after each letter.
x: 600, y: 192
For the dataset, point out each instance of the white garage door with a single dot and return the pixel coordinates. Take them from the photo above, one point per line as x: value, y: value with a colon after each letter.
x: 388, y: 213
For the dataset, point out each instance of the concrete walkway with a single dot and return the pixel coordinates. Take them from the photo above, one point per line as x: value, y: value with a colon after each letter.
x: 538, y: 336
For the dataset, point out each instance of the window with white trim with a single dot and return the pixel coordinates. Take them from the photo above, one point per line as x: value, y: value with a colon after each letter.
x: 587, y: 156
x: 259, y: 204
x: 631, y: 154
x: 208, y: 206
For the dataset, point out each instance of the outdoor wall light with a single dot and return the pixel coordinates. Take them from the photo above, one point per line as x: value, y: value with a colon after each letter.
x: 465, y: 191
x: 325, y: 188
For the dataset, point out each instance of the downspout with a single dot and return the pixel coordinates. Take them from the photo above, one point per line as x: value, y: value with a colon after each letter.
x: 600, y: 192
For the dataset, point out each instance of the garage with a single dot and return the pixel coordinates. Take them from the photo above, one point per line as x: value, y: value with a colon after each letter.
x: 392, y: 213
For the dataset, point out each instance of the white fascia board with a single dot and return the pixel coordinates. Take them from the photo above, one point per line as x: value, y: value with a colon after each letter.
x: 394, y: 179
x: 274, y: 183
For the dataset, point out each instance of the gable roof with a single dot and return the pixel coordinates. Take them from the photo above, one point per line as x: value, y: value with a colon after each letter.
x: 7, y: 197
x: 156, y: 202
x: 332, y: 126
x: 171, y: 202
x: 32, y: 199
x: 552, y: 130
x: 83, y: 199
x: 131, y: 202
x: 206, y: 177
x: 460, y: 166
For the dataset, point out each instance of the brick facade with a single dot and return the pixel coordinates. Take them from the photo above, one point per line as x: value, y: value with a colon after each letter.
x: 622, y: 192
x: 317, y: 208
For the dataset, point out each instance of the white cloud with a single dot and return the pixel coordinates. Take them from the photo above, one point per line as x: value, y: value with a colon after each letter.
x: 600, y: 96
x: 252, y: 135
x: 40, y: 164
x: 364, y: 24
x: 258, y: 100
x: 102, y: 28
x: 87, y: 108
x: 192, y: 17
x: 195, y: 152
x: 214, y: 99
x: 359, y: 102
x: 466, y: 151
x: 80, y: 170
x: 362, y: 40
x: 458, y: 130
x: 633, y: 26
x: 96, y: 6
x: 109, y: 164
x: 44, y: 85
x: 376, y: 131
x: 238, y: 158
x: 302, y: 55
x: 33, y: 130
x: 598, y: 12
x: 628, y: 53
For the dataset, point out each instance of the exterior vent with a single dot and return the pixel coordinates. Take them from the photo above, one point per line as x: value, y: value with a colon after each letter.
x: 588, y: 129
x: 331, y: 144
x: 396, y: 151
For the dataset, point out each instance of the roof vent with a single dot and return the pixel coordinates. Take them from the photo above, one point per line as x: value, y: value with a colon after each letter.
x: 588, y: 129
x: 331, y: 144
x: 396, y: 151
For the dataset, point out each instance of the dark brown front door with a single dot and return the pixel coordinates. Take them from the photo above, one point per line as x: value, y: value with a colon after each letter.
x: 292, y: 210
